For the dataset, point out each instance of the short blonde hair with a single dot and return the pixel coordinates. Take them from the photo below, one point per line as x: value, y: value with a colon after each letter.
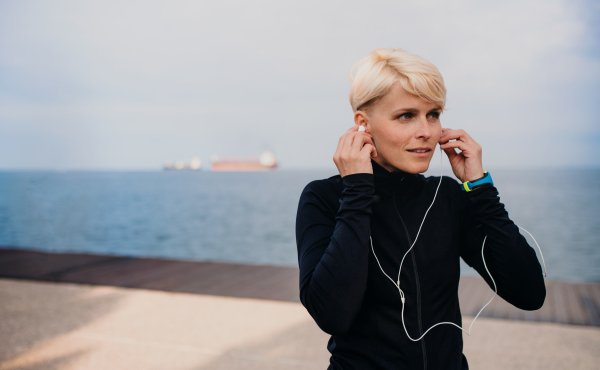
x: 373, y: 76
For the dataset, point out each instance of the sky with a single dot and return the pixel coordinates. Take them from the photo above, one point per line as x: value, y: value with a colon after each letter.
x: 130, y: 85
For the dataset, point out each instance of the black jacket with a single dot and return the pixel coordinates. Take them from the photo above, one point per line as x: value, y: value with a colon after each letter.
x: 349, y: 297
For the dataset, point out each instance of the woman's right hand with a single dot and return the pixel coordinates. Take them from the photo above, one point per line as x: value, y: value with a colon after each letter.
x: 354, y: 152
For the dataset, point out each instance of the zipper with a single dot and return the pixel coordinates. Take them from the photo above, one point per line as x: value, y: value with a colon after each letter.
x: 414, y: 261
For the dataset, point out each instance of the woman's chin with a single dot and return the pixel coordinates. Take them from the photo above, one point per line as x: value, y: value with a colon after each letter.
x: 419, y: 169
x: 408, y: 165
x: 415, y: 167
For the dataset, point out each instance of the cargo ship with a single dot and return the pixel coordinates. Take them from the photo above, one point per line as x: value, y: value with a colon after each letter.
x: 266, y: 162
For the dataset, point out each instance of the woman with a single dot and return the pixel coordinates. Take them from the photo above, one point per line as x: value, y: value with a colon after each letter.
x: 379, y: 197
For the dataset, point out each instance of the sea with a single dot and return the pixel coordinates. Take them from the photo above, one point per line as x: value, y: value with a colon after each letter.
x: 249, y: 217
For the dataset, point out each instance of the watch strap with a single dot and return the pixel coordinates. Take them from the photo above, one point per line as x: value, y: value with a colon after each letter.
x: 471, y: 185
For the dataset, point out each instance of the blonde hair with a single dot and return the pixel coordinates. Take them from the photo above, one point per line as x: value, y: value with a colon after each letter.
x: 373, y: 76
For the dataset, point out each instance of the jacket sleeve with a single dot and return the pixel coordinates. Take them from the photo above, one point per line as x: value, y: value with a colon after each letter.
x: 509, y: 258
x: 333, y: 250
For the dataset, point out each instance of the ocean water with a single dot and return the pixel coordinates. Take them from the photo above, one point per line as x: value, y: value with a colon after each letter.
x: 250, y: 217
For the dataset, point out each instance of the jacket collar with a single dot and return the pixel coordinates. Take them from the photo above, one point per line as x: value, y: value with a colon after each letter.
x: 403, y: 183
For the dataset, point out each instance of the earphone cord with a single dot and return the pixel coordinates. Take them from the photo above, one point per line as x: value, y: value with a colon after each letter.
x: 397, y: 284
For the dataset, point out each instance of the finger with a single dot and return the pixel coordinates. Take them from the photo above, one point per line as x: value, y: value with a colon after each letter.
x: 450, y: 152
x: 340, y: 145
x: 464, y: 147
x: 348, y: 137
x: 369, y: 142
x: 346, y: 145
x: 374, y: 152
x: 369, y: 150
x: 336, y: 155
x: 449, y: 134
x: 354, y: 142
x: 455, y: 144
x: 340, y: 141
x: 348, y: 140
x: 344, y: 141
x: 360, y: 139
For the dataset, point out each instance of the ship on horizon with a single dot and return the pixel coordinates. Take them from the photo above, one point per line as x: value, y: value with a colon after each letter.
x: 193, y: 165
x: 266, y: 162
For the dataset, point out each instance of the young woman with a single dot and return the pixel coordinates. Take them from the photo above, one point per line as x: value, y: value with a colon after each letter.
x: 353, y: 230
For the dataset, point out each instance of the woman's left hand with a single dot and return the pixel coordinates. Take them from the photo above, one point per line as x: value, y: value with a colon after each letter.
x: 466, y: 164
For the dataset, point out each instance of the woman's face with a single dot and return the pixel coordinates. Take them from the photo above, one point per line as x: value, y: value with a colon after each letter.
x: 405, y: 129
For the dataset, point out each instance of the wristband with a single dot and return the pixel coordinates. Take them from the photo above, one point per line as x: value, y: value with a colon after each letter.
x: 470, y: 185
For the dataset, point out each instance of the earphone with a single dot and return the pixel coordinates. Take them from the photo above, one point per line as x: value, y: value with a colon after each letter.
x: 397, y: 283
x: 361, y: 128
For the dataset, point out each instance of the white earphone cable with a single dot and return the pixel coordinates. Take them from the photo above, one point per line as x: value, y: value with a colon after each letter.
x: 397, y: 283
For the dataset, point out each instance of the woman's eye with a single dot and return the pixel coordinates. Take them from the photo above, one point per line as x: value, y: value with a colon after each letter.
x: 434, y: 115
x: 404, y: 116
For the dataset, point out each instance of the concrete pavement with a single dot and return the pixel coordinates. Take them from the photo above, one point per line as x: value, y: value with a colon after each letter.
x: 69, y: 326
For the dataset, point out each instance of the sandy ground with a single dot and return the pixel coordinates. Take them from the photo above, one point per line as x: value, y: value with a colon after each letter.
x: 68, y: 326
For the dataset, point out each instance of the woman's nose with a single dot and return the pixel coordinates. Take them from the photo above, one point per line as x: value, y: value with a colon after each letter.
x: 423, y: 131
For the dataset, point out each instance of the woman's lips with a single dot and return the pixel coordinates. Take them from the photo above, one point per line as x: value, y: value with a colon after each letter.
x: 420, y: 152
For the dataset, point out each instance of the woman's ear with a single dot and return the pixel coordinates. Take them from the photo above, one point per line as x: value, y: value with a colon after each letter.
x: 361, y: 119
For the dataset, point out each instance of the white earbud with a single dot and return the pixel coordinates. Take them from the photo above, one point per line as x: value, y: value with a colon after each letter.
x: 361, y: 128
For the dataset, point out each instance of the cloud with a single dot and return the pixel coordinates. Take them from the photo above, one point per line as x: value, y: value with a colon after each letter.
x: 132, y: 84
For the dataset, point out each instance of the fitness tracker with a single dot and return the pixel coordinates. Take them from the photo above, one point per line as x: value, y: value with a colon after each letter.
x: 470, y: 185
